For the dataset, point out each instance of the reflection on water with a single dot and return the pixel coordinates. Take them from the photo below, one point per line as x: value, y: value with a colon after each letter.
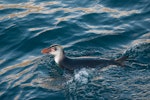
x: 25, y: 63
x: 31, y: 7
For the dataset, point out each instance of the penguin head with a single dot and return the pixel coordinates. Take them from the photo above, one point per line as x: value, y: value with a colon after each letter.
x: 53, y: 50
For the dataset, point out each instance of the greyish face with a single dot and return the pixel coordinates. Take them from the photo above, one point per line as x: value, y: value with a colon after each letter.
x: 53, y: 50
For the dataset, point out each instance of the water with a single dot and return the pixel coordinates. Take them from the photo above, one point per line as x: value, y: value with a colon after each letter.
x: 108, y: 28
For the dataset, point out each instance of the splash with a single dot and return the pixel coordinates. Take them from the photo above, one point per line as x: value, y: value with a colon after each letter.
x: 82, y: 76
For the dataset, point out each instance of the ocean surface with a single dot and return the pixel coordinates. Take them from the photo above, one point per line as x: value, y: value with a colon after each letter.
x: 103, y: 28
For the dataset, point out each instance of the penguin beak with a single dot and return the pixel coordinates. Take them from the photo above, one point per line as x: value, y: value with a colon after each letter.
x: 47, y: 50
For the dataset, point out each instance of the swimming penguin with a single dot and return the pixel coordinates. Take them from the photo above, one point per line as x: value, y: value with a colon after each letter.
x: 71, y: 63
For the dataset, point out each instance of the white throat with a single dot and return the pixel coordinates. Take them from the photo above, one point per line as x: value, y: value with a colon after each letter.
x: 58, y: 57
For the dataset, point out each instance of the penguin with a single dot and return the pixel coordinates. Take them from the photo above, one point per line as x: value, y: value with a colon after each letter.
x: 72, y: 63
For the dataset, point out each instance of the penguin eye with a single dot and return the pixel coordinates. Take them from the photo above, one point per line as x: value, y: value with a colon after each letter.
x: 54, y: 48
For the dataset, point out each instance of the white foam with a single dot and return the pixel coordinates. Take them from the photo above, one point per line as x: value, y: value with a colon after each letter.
x: 82, y: 76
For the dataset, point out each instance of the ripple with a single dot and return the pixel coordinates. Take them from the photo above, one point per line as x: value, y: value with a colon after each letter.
x: 35, y: 29
x: 44, y: 31
x: 2, y: 61
x: 23, y: 64
x: 31, y: 7
x: 147, y: 19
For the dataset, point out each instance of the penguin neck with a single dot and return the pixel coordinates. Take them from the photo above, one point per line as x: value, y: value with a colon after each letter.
x: 59, y: 57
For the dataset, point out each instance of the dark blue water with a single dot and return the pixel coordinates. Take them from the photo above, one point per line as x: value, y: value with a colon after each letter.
x: 104, y: 28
